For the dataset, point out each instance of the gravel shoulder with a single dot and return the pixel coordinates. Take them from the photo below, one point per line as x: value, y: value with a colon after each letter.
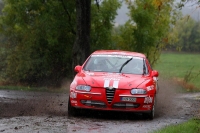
x: 39, y: 112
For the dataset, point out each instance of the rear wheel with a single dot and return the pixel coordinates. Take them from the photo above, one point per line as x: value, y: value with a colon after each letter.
x: 72, y: 111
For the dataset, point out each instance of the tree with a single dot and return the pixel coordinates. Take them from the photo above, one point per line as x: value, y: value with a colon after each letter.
x: 123, y: 36
x: 40, y: 37
x: 195, y: 38
x: 81, y: 47
x: 152, y: 18
x: 39, y: 42
x: 102, y: 24
x: 103, y: 15
x: 148, y: 27
x: 187, y: 30
x: 183, y: 3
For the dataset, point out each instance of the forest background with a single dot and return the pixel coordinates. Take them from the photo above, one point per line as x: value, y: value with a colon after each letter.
x: 37, y: 38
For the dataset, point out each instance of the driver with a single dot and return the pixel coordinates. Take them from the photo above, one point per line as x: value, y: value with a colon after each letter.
x: 134, y: 66
x: 101, y: 64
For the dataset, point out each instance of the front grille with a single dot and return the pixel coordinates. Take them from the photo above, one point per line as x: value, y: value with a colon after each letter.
x: 97, y: 104
x: 110, y: 94
x: 125, y: 105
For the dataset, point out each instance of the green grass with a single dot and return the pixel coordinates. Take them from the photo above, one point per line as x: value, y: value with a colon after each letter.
x: 191, y: 126
x: 23, y: 88
x: 176, y: 65
x: 27, y: 88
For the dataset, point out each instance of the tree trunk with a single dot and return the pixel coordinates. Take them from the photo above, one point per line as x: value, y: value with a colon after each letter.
x: 81, y: 48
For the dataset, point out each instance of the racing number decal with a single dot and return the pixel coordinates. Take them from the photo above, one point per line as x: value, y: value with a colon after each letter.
x: 106, y: 83
x: 115, y: 84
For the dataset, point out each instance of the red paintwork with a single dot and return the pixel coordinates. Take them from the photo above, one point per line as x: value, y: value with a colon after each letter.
x: 126, y: 83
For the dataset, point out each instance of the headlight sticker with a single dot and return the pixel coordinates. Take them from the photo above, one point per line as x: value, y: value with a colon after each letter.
x: 73, y: 94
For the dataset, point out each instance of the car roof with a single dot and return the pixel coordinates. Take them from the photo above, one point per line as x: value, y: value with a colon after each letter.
x: 118, y: 52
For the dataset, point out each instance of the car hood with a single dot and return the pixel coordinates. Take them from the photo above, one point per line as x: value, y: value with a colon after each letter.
x: 116, y: 80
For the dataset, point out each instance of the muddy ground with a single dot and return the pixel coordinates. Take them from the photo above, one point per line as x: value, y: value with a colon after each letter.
x: 41, y: 112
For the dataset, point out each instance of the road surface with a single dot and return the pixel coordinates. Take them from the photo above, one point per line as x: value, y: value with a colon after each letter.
x: 42, y: 112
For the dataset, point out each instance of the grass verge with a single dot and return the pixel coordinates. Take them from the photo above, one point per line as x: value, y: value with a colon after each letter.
x: 27, y: 88
x: 177, y: 65
x: 191, y: 126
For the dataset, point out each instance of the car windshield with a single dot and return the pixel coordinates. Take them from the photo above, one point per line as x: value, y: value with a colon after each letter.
x: 116, y: 64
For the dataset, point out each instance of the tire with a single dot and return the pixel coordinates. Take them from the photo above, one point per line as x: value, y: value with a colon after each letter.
x: 152, y: 112
x: 72, y: 111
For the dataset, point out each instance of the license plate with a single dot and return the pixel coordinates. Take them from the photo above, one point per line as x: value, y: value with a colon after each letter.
x: 130, y: 99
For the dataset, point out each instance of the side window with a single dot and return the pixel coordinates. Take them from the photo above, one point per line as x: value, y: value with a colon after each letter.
x: 148, y: 64
x: 145, y: 67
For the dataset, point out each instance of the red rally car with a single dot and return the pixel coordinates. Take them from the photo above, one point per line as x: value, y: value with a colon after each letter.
x: 114, y: 80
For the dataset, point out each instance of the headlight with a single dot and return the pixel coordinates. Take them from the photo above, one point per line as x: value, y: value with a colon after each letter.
x: 83, y: 88
x: 138, y: 91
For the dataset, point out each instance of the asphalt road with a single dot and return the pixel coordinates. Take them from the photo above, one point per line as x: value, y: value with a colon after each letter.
x: 41, y: 112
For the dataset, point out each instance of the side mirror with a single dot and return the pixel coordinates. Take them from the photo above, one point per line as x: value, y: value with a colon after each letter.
x: 77, y: 68
x: 154, y: 73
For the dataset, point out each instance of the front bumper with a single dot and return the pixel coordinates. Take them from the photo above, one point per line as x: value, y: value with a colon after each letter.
x: 100, y: 101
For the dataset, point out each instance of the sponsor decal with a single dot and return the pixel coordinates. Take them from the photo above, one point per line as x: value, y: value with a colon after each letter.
x: 148, y: 99
x: 115, y: 55
x: 112, y: 78
x: 73, y: 101
x: 89, y: 73
x: 121, y: 56
x: 149, y: 88
x: 146, y: 106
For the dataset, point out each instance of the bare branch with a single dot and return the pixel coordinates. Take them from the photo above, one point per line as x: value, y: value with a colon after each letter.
x: 97, y: 3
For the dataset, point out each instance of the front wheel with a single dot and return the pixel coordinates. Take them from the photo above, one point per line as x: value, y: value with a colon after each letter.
x: 152, y: 113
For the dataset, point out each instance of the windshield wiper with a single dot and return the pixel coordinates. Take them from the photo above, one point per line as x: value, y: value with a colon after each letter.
x: 124, y: 64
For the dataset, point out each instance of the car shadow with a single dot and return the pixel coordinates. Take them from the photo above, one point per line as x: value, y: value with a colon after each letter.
x: 109, y: 115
